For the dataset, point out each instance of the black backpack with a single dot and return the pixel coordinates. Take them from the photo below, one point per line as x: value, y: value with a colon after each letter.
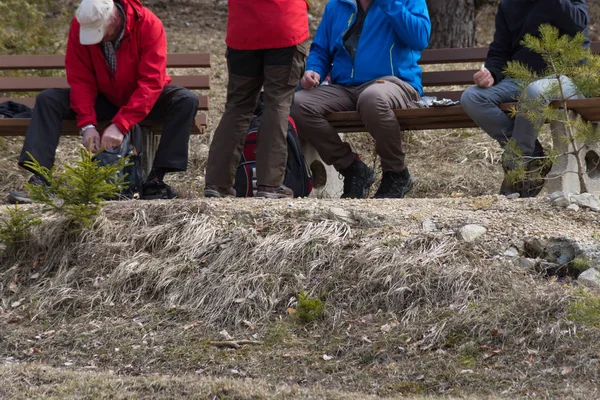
x: 297, y: 176
x: 130, y: 146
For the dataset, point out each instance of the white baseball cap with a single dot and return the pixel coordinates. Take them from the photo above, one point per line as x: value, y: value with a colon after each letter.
x: 92, y: 16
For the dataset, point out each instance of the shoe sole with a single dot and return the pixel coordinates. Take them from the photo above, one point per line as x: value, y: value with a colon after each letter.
x: 18, y: 199
x: 268, y: 195
x: 210, y: 193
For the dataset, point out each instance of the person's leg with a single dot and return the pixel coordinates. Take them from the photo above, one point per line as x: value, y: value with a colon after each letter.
x: 177, y: 106
x: 375, y: 105
x: 545, y: 90
x: 283, y: 69
x: 52, y: 106
x: 43, y: 134
x: 245, y: 81
x: 309, y: 112
x: 482, y: 106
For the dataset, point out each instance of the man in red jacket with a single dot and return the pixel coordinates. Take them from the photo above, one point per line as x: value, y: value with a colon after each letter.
x: 116, y: 69
x: 266, y: 47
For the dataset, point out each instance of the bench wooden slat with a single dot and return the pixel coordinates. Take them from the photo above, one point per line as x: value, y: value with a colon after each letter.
x: 35, y: 84
x: 445, y: 78
x: 18, y: 126
x: 30, y: 101
x: 51, y: 61
x: 465, y: 55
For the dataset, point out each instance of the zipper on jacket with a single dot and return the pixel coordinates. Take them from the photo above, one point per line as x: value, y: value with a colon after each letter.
x: 392, y: 59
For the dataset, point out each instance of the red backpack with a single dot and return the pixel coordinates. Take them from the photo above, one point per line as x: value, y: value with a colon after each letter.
x: 297, y: 176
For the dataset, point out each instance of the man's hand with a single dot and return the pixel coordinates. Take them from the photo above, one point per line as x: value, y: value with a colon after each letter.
x: 111, y: 138
x: 310, y: 80
x: 91, y: 139
x: 483, y: 78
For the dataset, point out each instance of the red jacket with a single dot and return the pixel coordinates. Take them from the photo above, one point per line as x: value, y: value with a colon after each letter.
x: 266, y: 24
x: 141, y: 70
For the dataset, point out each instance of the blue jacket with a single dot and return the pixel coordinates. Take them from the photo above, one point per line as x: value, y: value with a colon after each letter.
x: 393, y: 35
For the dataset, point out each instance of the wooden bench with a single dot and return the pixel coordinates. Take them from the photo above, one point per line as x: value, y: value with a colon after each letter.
x: 23, y: 89
x: 447, y: 73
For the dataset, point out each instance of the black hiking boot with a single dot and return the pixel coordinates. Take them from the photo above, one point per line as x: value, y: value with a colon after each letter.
x: 535, y: 174
x: 394, y: 185
x: 358, y: 177
x: 156, y: 190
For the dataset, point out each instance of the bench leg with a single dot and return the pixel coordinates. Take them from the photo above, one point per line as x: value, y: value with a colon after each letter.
x: 149, y: 146
x: 326, y: 180
x: 564, y: 175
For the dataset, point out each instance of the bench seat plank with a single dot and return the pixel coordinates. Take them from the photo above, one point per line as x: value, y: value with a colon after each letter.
x: 30, y: 101
x: 18, y: 126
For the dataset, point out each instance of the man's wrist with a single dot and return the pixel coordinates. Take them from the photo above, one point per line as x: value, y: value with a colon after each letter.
x: 85, y: 128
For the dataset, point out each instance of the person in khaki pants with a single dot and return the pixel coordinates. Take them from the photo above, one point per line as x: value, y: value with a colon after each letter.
x: 266, y: 47
x: 370, y: 49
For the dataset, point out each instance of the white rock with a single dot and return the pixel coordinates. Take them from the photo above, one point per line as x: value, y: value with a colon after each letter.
x: 573, y: 207
x: 513, y: 196
x: 586, y: 200
x: 471, y: 232
x: 429, y: 226
x: 590, y: 277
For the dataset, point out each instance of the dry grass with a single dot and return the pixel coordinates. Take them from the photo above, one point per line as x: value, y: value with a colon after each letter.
x: 449, y: 305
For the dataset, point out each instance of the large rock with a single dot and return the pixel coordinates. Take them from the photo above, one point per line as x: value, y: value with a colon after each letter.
x: 590, y: 277
x: 586, y: 200
x: 471, y: 232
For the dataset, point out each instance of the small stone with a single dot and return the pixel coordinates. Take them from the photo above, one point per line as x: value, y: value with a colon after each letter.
x: 586, y: 200
x: 341, y: 215
x: 511, y: 252
x: 590, y: 277
x: 429, y: 226
x: 470, y: 233
x: 513, y: 196
x: 526, y: 263
x: 573, y: 207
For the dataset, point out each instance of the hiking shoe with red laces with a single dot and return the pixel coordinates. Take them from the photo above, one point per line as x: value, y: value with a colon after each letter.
x: 271, y: 192
x: 217, y: 191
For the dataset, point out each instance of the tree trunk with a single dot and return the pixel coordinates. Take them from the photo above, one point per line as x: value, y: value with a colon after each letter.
x: 452, y: 23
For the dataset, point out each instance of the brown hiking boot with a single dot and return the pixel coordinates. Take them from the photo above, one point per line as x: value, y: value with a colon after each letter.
x: 271, y: 192
x: 216, y: 191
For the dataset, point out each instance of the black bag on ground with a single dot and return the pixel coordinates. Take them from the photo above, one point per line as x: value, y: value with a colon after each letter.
x: 297, y: 176
x: 132, y: 141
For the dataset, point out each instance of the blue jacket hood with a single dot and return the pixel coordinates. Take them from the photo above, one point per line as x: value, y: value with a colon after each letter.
x: 393, y: 36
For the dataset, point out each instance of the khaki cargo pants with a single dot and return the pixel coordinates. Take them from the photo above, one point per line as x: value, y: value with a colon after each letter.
x: 277, y: 70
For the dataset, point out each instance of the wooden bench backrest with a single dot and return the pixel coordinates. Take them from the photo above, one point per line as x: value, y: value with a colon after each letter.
x: 18, y: 86
x: 439, y: 80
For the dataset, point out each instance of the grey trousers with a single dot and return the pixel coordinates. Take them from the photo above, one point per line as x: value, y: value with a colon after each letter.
x: 482, y: 106
x: 374, y: 101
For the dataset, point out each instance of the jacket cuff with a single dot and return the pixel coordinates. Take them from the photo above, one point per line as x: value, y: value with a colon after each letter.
x: 122, y: 125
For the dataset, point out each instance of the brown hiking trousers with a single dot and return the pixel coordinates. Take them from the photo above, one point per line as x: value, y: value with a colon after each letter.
x: 374, y: 102
x: 277, y: 70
